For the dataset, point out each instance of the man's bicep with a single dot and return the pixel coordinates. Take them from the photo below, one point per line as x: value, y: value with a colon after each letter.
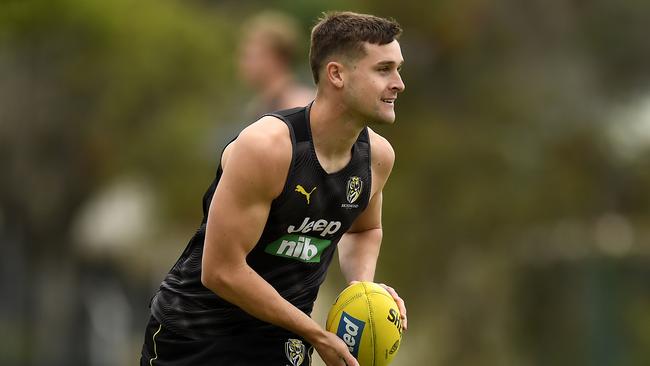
x: 235, y: 220
x: 242, y: 200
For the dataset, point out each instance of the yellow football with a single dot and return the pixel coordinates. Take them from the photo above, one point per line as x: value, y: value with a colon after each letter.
x: 367, y: 319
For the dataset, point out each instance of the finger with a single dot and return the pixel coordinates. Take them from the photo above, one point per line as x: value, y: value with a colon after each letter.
x: 400, y: 305
x: 398, y: 300
x: 350, y: 360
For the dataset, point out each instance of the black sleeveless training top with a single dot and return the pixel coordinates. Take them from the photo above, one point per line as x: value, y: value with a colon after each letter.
x: 305, y: 223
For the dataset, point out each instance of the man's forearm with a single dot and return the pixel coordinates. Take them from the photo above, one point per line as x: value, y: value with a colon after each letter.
x: 358, y: 253
x: 242, y: 286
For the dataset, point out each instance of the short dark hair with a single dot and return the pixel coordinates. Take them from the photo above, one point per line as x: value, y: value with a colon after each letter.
x: 343, y: 33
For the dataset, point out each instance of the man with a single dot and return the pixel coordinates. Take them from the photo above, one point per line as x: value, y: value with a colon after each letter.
x: 292, y: 186
x: 266, y: 55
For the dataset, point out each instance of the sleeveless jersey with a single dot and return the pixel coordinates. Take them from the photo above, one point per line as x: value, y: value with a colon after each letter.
x: 305, y: 223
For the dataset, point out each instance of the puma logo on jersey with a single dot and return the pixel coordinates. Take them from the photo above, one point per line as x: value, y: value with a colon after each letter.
x: 300, y: 189
x: 327, y: 227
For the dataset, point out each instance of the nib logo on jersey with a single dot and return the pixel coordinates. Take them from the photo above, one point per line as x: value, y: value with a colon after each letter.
x: 304, y: 248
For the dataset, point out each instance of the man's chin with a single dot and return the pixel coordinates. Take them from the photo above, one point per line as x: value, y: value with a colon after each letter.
x: 381, y: 119
x: 386, y: 119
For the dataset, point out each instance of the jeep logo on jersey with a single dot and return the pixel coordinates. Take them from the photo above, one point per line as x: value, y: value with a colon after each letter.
x: 355, y: 185
x: 326, y: 227
x: 350, y: 330
x: 302, y: 248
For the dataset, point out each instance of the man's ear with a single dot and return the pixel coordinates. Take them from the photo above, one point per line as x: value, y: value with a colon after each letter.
x: 334, y: 72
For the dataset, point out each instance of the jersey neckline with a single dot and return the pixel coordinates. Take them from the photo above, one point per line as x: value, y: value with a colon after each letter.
x: 312, y: 148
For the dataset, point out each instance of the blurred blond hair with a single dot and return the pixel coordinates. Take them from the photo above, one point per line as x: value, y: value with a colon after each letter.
x: 280, y: 30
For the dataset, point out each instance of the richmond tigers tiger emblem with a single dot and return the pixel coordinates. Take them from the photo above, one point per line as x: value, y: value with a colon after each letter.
x: 295, y: 351
x: 355, y: 185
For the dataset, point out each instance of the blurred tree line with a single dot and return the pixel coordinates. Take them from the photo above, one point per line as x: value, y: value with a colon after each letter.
x: 516, y: 218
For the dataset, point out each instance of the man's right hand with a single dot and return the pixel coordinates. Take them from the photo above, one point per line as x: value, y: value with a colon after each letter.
x: 333, y: 351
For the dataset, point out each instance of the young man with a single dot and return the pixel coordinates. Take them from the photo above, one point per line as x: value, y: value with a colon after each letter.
x: 291, y: 187
x: 266, y: 53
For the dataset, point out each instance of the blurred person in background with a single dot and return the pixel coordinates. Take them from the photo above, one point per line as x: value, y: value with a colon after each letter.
x: 267, y: 50
x: 290, y: 189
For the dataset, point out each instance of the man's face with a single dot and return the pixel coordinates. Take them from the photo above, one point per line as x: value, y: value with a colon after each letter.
x: 257, y: 61
x: 374, y: 81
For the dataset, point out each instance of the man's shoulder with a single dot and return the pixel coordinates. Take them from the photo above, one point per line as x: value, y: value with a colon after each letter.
x: 382, y: 157
x: 266, y: 140
x: 382, y: 151
x: 265, y: 133
x: 261, y: 156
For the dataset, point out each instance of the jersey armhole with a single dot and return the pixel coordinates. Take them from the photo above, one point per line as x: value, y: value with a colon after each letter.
x: 213, y: 186
x: 366, y: 136
x: 293, y: 154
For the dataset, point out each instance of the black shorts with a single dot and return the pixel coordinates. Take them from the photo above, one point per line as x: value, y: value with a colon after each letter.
x: 163, y: 347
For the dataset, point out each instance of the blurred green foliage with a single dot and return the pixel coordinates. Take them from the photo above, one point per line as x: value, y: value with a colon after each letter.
x: 119, y: 85
x: 514, y: 227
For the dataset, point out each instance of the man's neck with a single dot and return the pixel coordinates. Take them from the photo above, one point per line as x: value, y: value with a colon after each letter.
x: 334, y: 131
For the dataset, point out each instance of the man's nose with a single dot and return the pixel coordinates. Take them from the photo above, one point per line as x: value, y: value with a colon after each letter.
x: 398, y: 84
